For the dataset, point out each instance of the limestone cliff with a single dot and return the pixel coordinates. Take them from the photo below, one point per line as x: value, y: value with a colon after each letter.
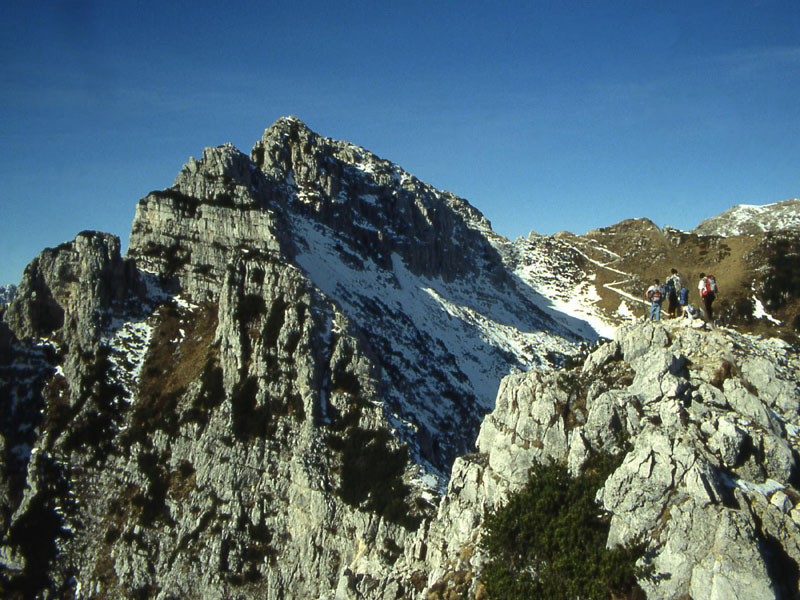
x: 707, y: 423
x: 269, y: 388
x: 268, y: 396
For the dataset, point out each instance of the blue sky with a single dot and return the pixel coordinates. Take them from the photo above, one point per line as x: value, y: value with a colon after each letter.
x: 544, y: 115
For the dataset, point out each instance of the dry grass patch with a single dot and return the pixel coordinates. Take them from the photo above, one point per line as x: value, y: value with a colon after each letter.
x: 180, y: 350
x: 174, y: 359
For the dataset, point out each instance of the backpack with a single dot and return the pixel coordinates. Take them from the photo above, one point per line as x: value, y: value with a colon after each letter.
x: 684, y: 296
x: 711, y: 285
x: 656, y: 294
x: 670, y: 287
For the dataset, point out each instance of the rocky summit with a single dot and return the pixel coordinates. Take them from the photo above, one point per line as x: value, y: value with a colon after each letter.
x: 744, y: 218
x: 315, y: 376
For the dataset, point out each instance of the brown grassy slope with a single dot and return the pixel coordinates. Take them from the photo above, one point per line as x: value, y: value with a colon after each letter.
x: 647, y: 252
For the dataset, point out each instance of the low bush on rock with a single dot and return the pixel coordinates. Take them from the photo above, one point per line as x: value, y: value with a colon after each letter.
x: 549, y: 541
x: 371, y: 470
x: 371, y: 474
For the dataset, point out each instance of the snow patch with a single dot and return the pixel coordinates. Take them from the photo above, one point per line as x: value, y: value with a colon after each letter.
x: 624, y: 311
x: 369, y: 198
x: 129, y: 343
x: 473, y: 331
x: 759, y: 312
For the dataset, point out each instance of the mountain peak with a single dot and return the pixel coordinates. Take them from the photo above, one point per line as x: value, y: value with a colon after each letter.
x: 288, y: 121
x: 287, y: 128
x: 640, y: 224
x: 376, y: 241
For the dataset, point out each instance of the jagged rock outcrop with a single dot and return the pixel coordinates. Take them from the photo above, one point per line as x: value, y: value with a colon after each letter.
x: 709, y: 473
x: 71, y: 287
x: 380, y: 208
x: 217, y: 207
x: 231, y: 471
x: 6, y: 295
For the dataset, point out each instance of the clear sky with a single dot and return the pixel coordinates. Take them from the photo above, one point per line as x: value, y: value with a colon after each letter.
x: 545, y: 115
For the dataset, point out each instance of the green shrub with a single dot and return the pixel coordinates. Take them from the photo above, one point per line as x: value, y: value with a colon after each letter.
x: 743, y: 309
x: 549, y: 541
x: 372, y: 474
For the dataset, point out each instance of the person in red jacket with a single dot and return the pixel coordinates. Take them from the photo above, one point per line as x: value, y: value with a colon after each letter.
x: 655, y: 293
x: 708, y: 292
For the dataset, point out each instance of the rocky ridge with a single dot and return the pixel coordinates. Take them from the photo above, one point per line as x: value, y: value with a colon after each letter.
x: 707, y: 422
x: 7, y: 294
x: 756, y: 273
x: 188, y: 446
x: 748, y: 219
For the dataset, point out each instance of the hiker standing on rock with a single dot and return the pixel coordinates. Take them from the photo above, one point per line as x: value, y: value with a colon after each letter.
x: 708, y: 291
x: 655, y: 293
x: 672, y: 286
x: 683, y: 299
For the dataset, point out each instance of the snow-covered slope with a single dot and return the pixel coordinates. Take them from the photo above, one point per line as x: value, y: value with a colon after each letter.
x: 749, y: 219
x: 444, y: 345
x: 561, y: 279
x: 421, y: 271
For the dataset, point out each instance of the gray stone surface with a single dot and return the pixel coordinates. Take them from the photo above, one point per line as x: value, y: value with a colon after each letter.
x: 698, y: 482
